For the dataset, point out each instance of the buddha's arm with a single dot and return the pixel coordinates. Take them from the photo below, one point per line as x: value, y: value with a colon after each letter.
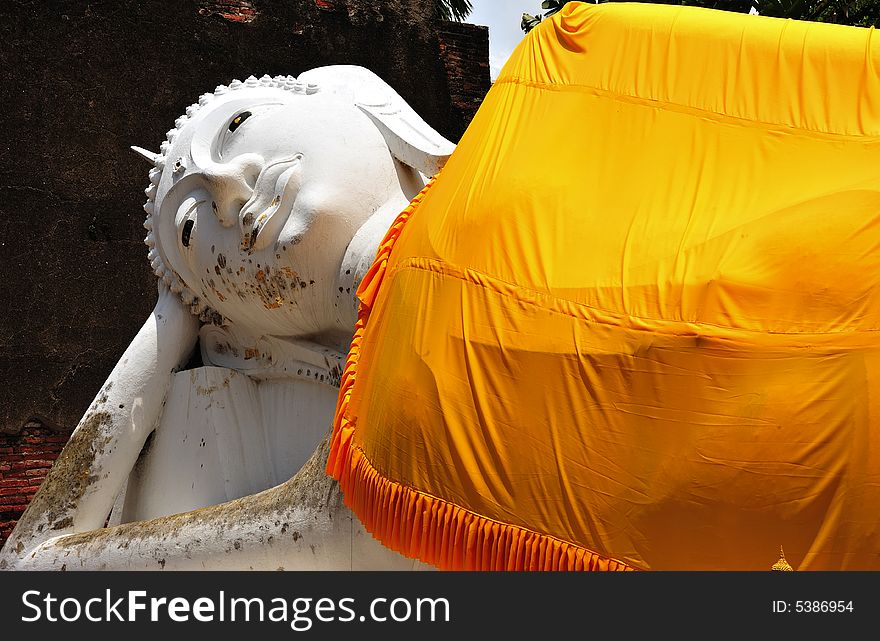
x: 300, y: 524
x: 79, y: 491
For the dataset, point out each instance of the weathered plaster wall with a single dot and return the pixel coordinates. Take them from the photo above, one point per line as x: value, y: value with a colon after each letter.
x: 79, y: 83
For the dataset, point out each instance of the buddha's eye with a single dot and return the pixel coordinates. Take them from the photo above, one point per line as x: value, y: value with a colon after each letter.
x: 228, y: 132
x: 240, y: 118
x: 187, y: 232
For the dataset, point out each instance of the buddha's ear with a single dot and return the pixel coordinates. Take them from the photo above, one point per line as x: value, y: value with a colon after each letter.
x: 409, y: 138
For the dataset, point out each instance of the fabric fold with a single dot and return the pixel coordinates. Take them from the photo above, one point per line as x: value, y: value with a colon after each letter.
x: 633, y: 323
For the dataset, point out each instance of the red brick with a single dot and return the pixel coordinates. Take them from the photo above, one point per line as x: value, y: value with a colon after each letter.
x: 10, y: 483
x: 464, y: 49
x: 18, y: 506
x: 26, y: 473
x: 27, y: 449
x: 28, y: 464
x: 11, y: 492
x: 48, y: 456
x: 39, y: 462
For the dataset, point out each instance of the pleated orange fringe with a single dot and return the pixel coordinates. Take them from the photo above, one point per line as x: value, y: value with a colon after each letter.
x: 418, y: 525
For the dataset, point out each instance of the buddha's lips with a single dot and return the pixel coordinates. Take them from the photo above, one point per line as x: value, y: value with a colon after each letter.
x: 249, y: 238
x: 271, y: 192
x: 252, y: 241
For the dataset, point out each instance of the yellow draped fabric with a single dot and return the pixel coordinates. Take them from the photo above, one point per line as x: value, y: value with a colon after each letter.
x: 633, y: 324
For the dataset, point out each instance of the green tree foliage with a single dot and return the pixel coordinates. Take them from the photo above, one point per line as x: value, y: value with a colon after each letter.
x: 453, y: 9
x: 861, y: 13
x: 550, y: 7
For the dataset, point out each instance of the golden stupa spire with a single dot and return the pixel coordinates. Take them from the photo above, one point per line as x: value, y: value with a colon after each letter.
x: 781, y: 564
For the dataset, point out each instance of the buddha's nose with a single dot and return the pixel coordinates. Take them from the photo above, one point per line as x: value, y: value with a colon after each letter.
x: 232, y: 186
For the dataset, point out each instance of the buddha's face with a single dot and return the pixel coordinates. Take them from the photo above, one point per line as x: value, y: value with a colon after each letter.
x: 261, y: 191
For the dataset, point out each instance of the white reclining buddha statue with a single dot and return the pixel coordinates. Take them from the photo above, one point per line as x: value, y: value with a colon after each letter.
x: 632, y: 326
x: 266, y: 206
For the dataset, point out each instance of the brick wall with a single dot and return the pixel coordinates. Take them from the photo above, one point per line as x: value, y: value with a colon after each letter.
x: 464, y: 50
x: 25, y: 458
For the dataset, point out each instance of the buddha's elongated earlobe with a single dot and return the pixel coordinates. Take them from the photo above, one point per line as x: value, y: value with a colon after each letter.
x: 409, y: 138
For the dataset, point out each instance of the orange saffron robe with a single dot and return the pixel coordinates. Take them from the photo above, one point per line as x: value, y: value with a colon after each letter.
x: 633, y: 323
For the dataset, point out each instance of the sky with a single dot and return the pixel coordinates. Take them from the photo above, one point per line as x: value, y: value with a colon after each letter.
x: 503, y: 18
